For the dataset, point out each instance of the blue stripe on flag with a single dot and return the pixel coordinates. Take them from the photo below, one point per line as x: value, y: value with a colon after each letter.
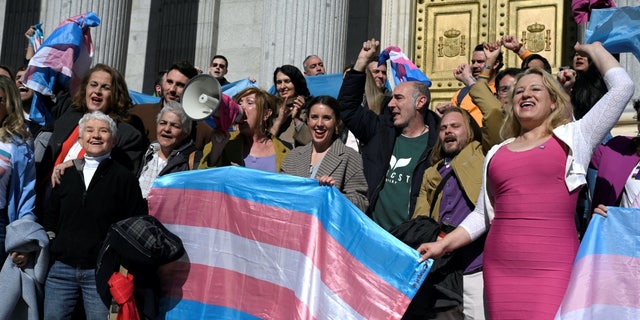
x: 621, y: 225
x: 189, y: 309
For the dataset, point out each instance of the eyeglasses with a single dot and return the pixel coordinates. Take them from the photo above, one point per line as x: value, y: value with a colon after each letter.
x: 221, y: 65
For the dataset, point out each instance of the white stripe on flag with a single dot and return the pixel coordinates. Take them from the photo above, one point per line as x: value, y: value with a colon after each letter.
x: 246, y: 256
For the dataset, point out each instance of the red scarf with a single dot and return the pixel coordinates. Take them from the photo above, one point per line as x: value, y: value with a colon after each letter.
x: 121, y: 288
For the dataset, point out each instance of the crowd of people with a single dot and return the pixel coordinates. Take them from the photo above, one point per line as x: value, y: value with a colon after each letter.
x: 497, y: 169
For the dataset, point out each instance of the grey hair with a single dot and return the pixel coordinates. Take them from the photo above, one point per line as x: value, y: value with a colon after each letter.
x: 175, y: 108
x: 421, y: 89
x: 97, y: 115
x: 304, y: 62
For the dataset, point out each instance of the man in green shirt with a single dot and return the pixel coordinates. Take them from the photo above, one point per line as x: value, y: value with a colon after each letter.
x: 397, y: 141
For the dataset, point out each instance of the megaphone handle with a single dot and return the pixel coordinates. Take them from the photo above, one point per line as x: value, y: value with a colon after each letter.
x: 208, y: 99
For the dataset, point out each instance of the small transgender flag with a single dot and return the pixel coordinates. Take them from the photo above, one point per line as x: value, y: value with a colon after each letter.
x: 37, y: 38
x: 402, y: 68
x: 263, y: 245
x: 605, y: 280
x: 60, y: 62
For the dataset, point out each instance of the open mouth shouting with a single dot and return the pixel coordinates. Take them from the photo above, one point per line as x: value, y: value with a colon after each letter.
x: 97, y: 102
x: 450, y: 139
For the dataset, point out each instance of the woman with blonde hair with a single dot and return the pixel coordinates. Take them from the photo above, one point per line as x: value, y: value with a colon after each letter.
x: 530, y: 189
x: 25, y: 268
x: 17, y: 196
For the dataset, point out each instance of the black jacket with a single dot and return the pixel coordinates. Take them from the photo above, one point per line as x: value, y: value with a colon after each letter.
x: 177, y: 161
x: 378, y: 135
x: 81, y: 217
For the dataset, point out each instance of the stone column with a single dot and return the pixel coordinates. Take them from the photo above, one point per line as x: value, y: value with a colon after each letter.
x: 207, y: 35
x: 3, y: 9
x: 109, y: 39
x: 138, y: 38
x: 292, y: 30
x: 397, y: 25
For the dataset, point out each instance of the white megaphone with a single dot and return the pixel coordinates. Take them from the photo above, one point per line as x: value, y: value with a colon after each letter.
x: 201, y: 98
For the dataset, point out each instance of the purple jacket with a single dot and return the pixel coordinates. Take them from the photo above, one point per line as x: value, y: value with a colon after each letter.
x: 614, y: 162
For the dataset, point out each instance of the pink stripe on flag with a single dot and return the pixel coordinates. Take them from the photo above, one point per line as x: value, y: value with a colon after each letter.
x: 606, y: 282
x: 214, y: 210
x: 228, y: 286
x: 53, y: 57
x: 399, y: 57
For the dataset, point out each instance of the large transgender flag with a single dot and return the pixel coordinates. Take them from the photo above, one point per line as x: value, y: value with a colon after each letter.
x: 60, y: 62
x: 263, y: 245
x: 605, y: 281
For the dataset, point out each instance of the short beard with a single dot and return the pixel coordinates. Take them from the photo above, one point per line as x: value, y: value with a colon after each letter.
x: 450, y: 155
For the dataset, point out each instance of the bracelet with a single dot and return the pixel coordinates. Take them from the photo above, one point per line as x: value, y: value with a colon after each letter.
x: 482, y: 76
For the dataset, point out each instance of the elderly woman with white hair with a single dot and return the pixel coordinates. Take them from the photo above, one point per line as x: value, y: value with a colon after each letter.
x: 173, y: 150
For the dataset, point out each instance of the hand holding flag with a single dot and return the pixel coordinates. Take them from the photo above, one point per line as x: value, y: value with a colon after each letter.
x: 402, y: 69
x: 60, y: 62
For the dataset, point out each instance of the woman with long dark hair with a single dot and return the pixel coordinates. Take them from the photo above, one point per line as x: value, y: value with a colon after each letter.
x: 291, y: 87
x: 326, y: 158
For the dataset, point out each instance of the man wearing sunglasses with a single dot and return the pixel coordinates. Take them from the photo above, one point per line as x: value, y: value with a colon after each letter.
x: 218, y: 68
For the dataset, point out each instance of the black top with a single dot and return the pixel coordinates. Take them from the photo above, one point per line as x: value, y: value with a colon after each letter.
x: 81, y: 218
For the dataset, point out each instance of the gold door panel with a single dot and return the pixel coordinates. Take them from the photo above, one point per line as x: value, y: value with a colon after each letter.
x: 446, y: 33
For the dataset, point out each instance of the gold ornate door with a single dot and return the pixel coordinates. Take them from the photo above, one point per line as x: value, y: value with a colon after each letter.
x: 446, y: 33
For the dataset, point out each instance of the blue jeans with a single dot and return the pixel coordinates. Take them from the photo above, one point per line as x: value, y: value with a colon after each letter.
x: 63, y: 288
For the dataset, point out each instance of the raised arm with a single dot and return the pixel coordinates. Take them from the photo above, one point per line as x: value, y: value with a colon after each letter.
x: 595, y: 125
x: 360, y: 121
x: 30, y: 50
x: 486, y: 101
x: 463, y: 74
x: 369, y: 49
x: 511, y: 42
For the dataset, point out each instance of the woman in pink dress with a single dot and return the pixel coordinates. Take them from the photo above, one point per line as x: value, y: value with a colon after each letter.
x: 530, y: 188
